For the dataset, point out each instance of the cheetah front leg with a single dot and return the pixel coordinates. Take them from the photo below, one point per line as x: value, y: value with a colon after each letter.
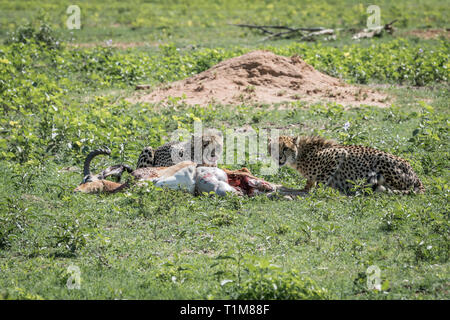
x: 333, y: 177
x: 377, y: 181
x: 309, y: 185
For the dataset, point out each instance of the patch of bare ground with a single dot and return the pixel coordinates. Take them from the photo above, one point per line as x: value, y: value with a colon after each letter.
x: 262, y: 77
x: 119, y: 45
x: 413, y: 90
x: 428, y: 33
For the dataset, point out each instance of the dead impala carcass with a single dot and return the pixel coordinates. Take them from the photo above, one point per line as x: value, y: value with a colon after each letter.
x: 213, y: 179
x: 186, y: 175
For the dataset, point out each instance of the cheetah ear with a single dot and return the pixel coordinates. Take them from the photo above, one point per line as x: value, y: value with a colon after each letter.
x: 295, y: 140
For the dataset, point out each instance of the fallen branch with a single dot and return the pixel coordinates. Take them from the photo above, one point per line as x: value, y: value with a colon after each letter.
x: 288, y: 32
x: 262, y: 27
x: 309, y: 34
x: 375, y: 32
x: 324, y: 32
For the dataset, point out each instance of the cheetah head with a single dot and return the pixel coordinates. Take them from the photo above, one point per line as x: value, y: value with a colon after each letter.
x: 212, y: 147
x: 287, y: 150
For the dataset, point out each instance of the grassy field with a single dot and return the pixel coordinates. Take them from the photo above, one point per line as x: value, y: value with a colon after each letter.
x: 59, y: 101
x: 206, y: 23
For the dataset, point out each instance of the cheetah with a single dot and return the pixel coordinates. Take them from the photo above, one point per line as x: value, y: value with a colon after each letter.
x: 339, y: 166
x: 174, y: 152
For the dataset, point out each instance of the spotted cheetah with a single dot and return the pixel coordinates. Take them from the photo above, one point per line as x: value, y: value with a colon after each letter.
x: 340, y: 166
x: 172, y: 153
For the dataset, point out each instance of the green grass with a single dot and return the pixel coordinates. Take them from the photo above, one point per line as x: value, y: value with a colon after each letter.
x: 198, y: 22
x: 57, y: 103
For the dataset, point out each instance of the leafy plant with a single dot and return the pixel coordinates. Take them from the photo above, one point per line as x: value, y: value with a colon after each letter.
x: 267, y: 282
x: 39, y: 31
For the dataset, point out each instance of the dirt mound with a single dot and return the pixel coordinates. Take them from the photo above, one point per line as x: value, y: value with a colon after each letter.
x: 263, y: 77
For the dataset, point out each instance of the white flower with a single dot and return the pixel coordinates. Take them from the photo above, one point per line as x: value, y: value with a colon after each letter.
x: 346, y: 126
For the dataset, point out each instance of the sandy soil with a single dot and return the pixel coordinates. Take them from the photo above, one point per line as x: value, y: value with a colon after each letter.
x: 261, y: 77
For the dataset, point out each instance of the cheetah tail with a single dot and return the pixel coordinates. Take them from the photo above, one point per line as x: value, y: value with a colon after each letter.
x: 87, y: 162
